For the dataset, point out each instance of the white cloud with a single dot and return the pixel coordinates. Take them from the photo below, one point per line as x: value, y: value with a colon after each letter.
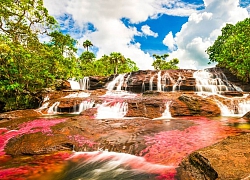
x: 169, y: 41
x: 202, y: 29
x: 112, y: 35
x: 147, y: 31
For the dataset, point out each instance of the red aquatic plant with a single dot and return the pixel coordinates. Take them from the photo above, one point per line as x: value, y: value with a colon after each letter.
x: 38, y: 125
x: 170, y: 147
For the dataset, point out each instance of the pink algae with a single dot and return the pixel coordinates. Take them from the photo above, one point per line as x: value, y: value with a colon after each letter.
x: 39, y: 125
x: 82, y: 140
x: 170, y: 147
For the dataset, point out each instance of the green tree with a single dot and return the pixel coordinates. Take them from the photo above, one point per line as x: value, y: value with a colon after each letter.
x: 116, y: 59
x: 231, y: 49
x: 87, y: 57
x: 21, y: 18
x: 160, y: 62
x: 26, y: 64
x: 65, y: 43
x: 86, y: 44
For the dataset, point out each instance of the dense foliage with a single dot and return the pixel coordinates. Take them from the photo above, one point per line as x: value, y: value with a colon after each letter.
x: 160, y: 62
x: 231, y: 49
x: 28, y: 65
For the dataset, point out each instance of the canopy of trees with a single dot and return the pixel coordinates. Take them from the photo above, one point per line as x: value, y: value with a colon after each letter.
x: 231, y: 49
x: 160, y: 62
x: 28, y: 65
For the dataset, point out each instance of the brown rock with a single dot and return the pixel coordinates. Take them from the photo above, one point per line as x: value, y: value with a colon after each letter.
x: 228, y: 159
x: 247, y: 116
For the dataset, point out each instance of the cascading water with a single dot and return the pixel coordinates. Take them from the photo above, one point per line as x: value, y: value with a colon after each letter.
x: 77, y: 109
x: 166, y: 78
x: 81, y: 84
x: 111, y: 110
x: 166, y: 114
x: 84, y: 83
x: 126, y: 81
x: 110, y: 165
x: 159, y: 81
x: 237, y: 106
x: 177, y: 83
x: 53, y: 109
x: 151, y: 83
x: 143, y: 87
x: 117, y: 82
x: 207, y: 82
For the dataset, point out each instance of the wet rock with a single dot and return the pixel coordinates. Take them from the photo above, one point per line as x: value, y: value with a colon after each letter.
x: 149, y: 108
x: 38, y: 143
x: 228, y: 159
x: 20, y: 114
x: 193, y: 105
x: 247, y: 116
x: 82, y: 134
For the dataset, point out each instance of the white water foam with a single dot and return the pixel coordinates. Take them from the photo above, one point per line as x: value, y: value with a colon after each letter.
x: 166, y: 114
x: 82, y: 84
x: 207, y: 82
x: 110, y: 110
x: 159, y: 81
x: 53, y: 109
x: 84, y: 105
x: 117, y: 82
x: 237, y: 106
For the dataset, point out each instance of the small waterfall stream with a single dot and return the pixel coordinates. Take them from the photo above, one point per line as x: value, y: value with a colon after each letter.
x: 166, y: 114
x: 111, y: 110
x: 81, y: 84
x: 117, y: 82
x: 159, y: 81
x: 237, y: 106
x: 207, y: 82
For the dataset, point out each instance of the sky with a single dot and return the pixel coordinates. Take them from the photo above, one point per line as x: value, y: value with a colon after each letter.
x: 184, y: 29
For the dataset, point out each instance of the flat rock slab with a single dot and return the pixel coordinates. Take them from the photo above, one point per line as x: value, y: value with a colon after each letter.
x: 228, y: 159
x: 82, y: 134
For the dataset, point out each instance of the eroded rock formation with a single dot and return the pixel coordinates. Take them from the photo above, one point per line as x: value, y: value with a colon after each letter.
x: 228, y: 159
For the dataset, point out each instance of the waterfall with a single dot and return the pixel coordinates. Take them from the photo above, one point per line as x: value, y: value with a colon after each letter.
x: 118, y: 80
x: 159, y: 81
x: 177, y: 83
x: 81, y: 84
x: 166, y: 114
x: 74, y: 84
x: 44, y: 106
x: 83, y: 106
x: 108, y: 110
x: 207, y: 82
x: 84, y: 83
x: 164, y: 78
x: 234, y: 107
x: 151, y: 83
x: 126, y: 81
x: 143, y: 87
x: 225, y: 111
x: 53, y: 109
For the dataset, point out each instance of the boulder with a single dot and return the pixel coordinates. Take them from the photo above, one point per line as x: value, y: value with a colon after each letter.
x: 227, y: 159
